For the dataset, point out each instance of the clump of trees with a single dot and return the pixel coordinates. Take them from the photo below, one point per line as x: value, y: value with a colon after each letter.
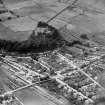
x: 84, y: 36
x: 36, y: 43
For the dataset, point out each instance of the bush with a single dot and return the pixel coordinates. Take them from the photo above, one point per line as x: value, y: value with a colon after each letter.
x: 84, y: 36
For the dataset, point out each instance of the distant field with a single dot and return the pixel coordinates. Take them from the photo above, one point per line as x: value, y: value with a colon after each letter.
x: 89, y: 23
x: 98, y: 37
x: 13, y: 1
x: 6, y: 33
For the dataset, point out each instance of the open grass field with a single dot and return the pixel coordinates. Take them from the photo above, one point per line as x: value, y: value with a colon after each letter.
x: 92, y: 21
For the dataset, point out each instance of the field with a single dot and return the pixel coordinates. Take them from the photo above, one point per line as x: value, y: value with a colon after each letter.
x: 89, y: 19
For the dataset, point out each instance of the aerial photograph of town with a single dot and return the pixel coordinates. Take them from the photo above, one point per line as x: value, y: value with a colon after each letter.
x: 52, y: 52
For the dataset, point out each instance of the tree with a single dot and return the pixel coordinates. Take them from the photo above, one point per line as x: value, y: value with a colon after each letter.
x: 84, y: 36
